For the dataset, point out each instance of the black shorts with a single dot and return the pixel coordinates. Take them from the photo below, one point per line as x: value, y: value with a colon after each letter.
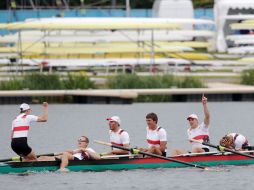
x: 206, y: 149
x: 75, y: 158
x: 20, y: 146
x: 59, y: 159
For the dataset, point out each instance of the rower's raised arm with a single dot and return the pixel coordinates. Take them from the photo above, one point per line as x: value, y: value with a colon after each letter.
x: 206, y: 111
x: 44, y: 116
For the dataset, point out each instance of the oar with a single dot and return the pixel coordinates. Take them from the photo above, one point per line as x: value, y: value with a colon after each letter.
x: 136, y: 151
x: 222, y: 148
x: 18, y: 158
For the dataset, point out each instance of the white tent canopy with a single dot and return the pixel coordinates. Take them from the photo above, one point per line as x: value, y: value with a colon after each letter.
x: 221, y: 11
x: 174, y: 9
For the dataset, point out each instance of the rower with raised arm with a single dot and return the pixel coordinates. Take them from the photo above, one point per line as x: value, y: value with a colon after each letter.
x: 156, y: 136
x: 197, y: 131
x: 20, y: 128
x: 234, y: 141
x: 117, y: 136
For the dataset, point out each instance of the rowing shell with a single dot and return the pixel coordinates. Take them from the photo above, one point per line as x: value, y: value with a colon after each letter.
x: 126, y: 163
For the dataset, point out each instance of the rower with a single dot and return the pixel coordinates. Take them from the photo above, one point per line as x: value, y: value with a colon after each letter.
x: 20, y: 128
x: 156, y: 136
x: 197, y: 131
x: 83, y: 152
x: 235, y: 141
x: 117, y: 136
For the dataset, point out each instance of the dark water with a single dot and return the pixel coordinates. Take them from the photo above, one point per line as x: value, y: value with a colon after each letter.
x: 67, y: 122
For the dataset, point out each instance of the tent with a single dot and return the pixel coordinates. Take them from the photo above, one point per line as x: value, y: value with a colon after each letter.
x: 227, y: 12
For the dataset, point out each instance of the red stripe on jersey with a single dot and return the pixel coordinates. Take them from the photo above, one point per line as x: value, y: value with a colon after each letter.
x: 200, y: 137
x: 116, y: 144
x: 21, y: 128
x: 153, y: 142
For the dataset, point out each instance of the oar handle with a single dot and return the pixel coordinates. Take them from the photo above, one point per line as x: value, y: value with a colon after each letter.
x: 15, y: 158
x: 103, y: 143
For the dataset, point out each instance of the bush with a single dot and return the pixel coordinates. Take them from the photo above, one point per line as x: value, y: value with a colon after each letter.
x: 12, y: 84
x: 132, y: 81
x: 247, y: 77
x: 124, y: 81
x: 190, y: 82
x: 79, y: 81
x: 37, y: 81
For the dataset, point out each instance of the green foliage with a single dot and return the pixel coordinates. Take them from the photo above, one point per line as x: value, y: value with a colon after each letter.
x: 79, y: 81
x: 203, y: 3
x: 190, y: 82
x: 132, y: 81
x: 247, y: 77
x: 124, y: 81
x: 38, y: 81
x: 12, y: 84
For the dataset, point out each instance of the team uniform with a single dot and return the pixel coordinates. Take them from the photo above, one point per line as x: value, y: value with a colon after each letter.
x: 119, y: 138
x: 199, y: 133
x: 83, y: 155
x: 20, y: 129
x: 154, y: 137
x: 239, y: 141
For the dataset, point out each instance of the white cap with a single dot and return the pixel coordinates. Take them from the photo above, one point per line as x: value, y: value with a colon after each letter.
x: 115, y: 118
x: 193, y: 116
x: 24, y: 107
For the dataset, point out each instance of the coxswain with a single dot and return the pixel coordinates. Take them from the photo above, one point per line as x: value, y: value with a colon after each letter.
x: 83, y: 152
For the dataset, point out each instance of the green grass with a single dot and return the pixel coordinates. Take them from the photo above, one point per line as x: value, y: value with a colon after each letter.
x: 247, y: 77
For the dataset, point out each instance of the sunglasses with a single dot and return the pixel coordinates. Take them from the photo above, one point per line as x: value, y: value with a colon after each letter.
x: 190, y: 119
x: 81, y: 140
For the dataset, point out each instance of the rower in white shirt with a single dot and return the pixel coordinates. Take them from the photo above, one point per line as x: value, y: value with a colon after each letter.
x: 117, y: 136
x: 156, y: 136
x: 235, y: 141
x: 197, y: 131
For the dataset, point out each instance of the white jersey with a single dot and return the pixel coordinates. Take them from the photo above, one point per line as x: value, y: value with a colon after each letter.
x: 239, y: 140
x: 21, y: 125
x: 154, y: 137
x: 198, y: 133
x: 83, y: 155
x: 119, y: 138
